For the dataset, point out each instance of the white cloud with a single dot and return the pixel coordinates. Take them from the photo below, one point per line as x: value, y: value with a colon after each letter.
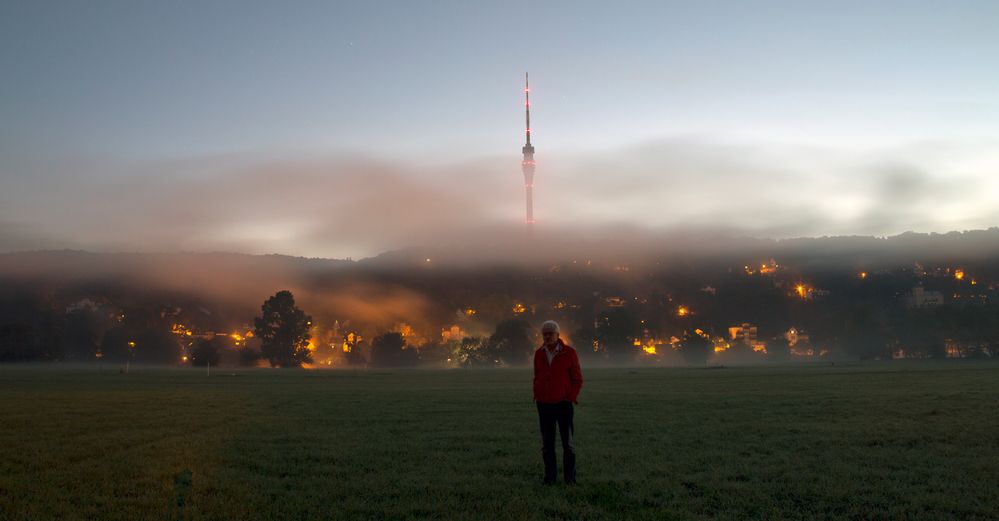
x: 350, y: 206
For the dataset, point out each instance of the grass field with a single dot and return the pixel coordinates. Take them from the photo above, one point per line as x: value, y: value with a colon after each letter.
x: 880, y: 441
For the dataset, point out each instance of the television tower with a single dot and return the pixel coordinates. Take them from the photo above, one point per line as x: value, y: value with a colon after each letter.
x: 528, y: 164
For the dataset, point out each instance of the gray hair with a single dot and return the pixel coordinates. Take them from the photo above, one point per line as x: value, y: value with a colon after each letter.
x: 549, y: 325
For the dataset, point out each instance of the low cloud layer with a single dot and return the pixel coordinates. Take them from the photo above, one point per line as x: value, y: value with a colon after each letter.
x: 340, y: 206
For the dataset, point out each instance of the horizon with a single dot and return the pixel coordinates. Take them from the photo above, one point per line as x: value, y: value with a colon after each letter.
x: 665, y: 235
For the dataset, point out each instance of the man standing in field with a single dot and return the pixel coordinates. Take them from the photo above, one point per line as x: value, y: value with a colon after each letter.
x: 557, y: 381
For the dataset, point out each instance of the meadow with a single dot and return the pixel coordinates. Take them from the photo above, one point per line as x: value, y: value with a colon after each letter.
x: 915, y: 440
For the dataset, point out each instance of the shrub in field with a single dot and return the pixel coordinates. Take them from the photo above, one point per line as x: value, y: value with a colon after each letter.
x: 473, y: 351
x: 156, y: 345
x: 739, y: 354
x: 283, y: 330
x: 114, y: 345
x: 436, y: 353
x: 696, y: 349
x: 779, y: 349
x: 511, y: 342
x: 207, y: 351
x: 615, y: 334
x: 248, y: 356
x: 82, y: 333
x: 389, y: 350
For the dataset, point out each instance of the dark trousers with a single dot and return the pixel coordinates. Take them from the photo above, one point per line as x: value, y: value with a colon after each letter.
x: 549, y: 415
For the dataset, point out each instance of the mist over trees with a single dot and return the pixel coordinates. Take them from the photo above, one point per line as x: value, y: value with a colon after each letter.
x: 754, y: 301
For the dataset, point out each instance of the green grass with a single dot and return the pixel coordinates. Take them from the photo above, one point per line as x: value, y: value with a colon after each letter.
x: 879, y: 441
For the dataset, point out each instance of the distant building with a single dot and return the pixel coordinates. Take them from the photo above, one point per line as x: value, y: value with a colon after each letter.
x: 170, y: 311
x: 745, y: 333
x: 769, y: 268
x: 454, y: 333
x: 351, y: 342
x: 956, y: 349
x: 85, y: 304
x: 920, y: 298
x: 794, y: 336
x: 614, y: 302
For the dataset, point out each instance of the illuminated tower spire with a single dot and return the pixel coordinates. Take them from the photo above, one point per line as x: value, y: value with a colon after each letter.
x: 528, y: 163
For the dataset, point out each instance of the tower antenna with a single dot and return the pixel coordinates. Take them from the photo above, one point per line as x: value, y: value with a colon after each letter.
x: 528, y: 164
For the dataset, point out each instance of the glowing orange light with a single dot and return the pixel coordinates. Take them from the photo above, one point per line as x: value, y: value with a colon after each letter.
x: 649, y: 350
x: 863, y: 274
x: 801, y: 290
x: 959, y: 274
x: 183, y: 358
x: 682, y: 311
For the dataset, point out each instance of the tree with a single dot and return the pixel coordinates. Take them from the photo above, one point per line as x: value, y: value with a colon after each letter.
x: 696, y: 349
x: 511, y: 342
x: 15, y: 343
x: 117, y: 345
x: 207, y: 351
x: 863, y: 334
x: 738, y: 353
x: 615, y: 333
x: 156, y: 345
x: 83, y: 332
x: 389, y: 350
x: 919, y: 334
x: 30, y: 330
x: 283, y: 330
x: 436, y: 353
x: 248, y: 356
x: 354, y: 347
x: 473, y: 351
x: 779, y: 349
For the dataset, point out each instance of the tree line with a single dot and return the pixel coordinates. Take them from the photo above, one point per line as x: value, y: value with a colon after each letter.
x: 855, y: 317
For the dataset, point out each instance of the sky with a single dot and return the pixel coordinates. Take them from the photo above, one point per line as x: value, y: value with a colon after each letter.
x: 344, y: 129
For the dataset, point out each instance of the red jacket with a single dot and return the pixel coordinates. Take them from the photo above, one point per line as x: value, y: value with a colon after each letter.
x: 559, y: 381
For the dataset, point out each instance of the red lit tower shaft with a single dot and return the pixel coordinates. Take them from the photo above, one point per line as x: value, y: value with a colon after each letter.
x: 528, y: 163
